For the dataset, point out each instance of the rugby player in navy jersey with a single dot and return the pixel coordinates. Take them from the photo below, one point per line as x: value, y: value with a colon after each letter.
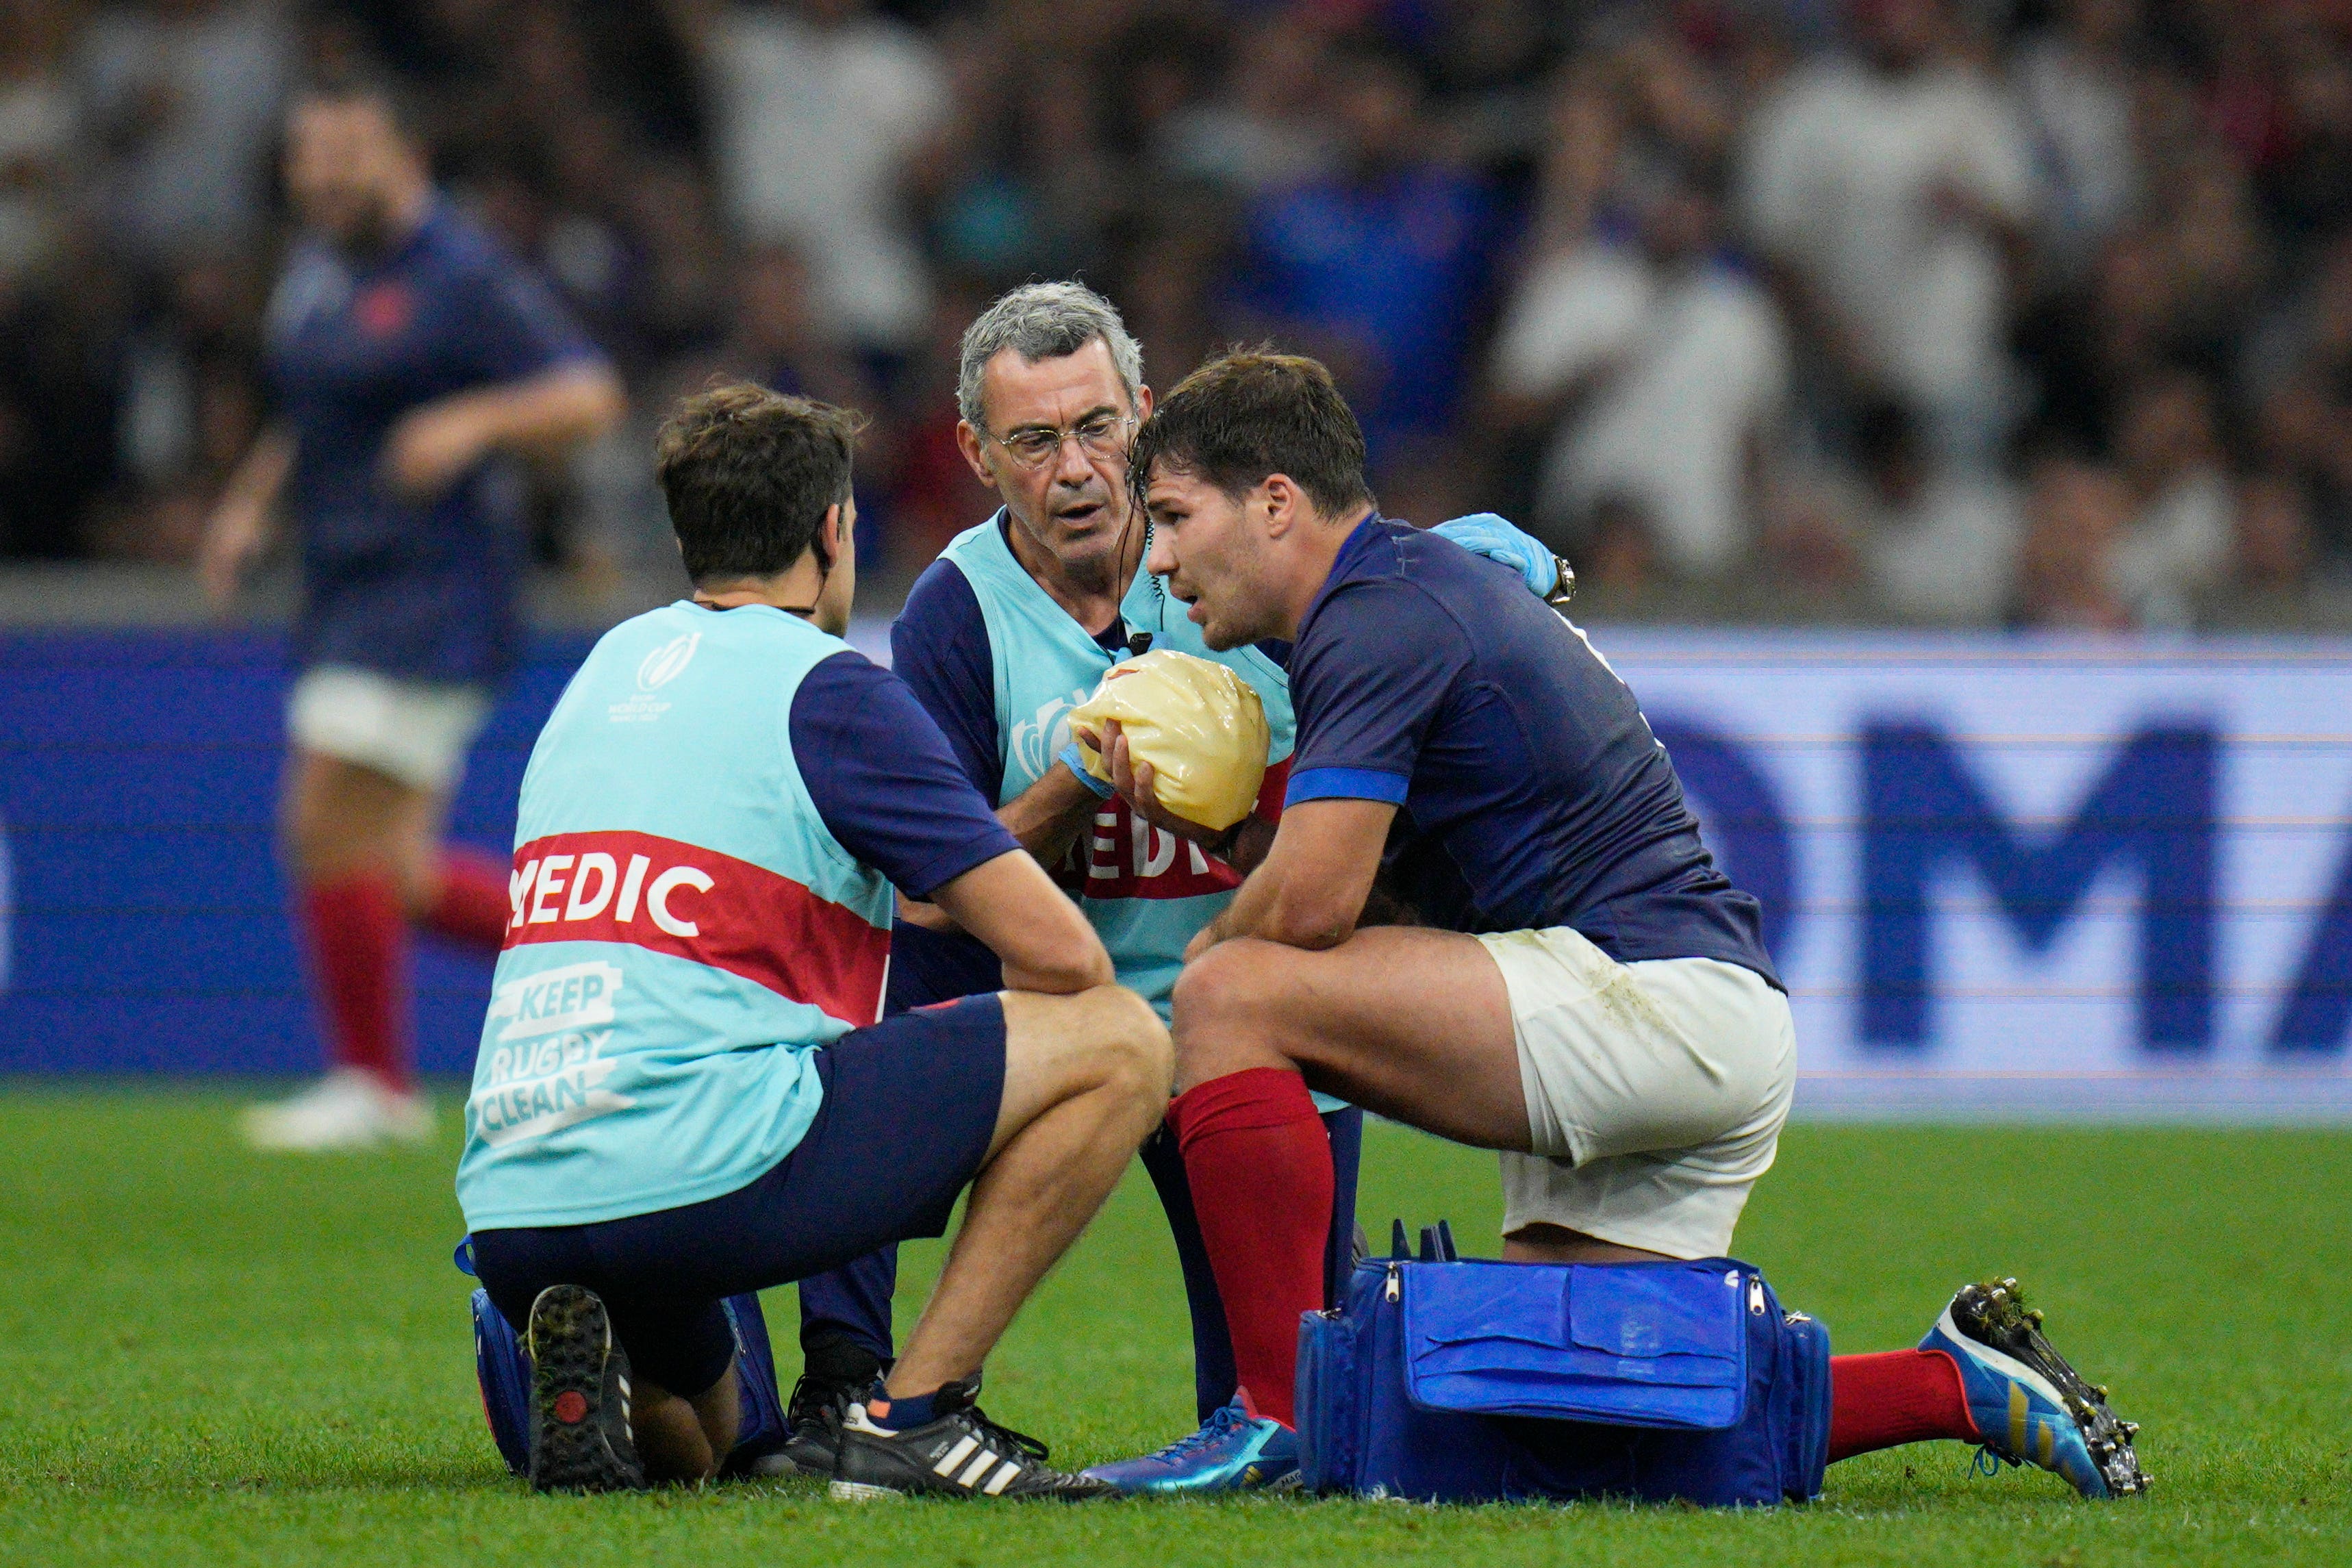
x: 411, y: 360
x: 1590, y: 995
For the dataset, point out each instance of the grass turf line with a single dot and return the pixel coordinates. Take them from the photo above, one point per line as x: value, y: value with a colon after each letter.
x: 208, y: 1355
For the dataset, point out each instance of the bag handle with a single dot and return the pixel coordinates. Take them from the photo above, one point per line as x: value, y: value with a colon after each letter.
x: 1436, y: 1244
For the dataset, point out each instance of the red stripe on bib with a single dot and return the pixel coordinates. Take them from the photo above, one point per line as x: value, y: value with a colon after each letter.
x: 694, y: 903
x: 1126, y: 857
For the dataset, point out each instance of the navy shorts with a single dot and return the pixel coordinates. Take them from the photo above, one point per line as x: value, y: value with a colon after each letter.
x: 909, y: 1108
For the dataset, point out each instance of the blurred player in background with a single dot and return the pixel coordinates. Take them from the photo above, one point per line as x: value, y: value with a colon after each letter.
x: 1595, y: 1000
x: 1001, y: 636
x: 409, y: 361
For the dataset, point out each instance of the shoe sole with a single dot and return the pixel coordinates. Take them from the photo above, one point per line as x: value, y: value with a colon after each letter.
x: 1255, y: 1477
x: 1994, y: 1314
x: 859, y: 1491
x: 867, y: 1491
x: 842, y: 1489
x: 1289, y: 1481
x: 571, y: 1345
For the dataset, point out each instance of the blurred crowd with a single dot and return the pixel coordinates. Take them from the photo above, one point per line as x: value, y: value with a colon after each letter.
x: 2031, y: 312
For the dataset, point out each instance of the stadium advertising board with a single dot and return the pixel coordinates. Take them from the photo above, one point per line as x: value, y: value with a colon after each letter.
x: 2067, y: 877
x: 2000, y: 877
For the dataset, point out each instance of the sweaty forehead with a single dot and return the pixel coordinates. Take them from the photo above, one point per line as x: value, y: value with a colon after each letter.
x: 1017, y: 392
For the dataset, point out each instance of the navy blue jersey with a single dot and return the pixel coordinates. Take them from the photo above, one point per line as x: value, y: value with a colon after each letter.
x: 886, y: 782
x: 428, y: 591
x: 1530, y: 791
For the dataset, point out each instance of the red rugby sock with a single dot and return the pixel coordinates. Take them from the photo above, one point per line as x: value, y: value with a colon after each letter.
x: 1895, y: 1397
x: 473, y: 905
x: 1259, y: 1163
x: 359, y: 937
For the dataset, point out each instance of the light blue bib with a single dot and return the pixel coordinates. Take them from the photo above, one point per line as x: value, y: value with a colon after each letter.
x: 685, y: 930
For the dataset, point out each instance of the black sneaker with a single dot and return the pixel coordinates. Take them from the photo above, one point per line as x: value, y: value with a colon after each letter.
x: 835, y: 1371
x: 958, y: 1453
x: 580, y: 1437
x: 813, y: 1428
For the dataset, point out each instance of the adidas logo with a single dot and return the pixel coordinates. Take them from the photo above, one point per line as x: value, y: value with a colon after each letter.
x: 967, y: 1462
x: 952, y: 1466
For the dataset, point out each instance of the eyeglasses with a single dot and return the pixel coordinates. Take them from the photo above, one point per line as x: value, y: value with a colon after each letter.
x: 1100, y: 435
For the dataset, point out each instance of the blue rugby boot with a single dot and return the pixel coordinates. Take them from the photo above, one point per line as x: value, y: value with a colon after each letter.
x: 1236, y: 1450
x: 2029, y: 1406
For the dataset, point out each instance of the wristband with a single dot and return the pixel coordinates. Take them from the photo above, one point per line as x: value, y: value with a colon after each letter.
x: 1073, y: 759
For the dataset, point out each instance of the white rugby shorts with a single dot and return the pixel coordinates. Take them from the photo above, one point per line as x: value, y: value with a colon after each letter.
x: 1655, y: 1092
x: 414, y: 731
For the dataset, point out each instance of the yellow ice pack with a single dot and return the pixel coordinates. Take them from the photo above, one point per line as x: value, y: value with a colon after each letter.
x: 1200, y: 726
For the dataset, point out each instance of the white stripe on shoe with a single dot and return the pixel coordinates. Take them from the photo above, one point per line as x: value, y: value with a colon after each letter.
x: 956, y: 1455
x: 2000, y: 1361
x: 1002, y: 1478
x: 979, y: 1468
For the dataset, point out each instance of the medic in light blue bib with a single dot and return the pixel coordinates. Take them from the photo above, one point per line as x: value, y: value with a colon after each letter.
x: 685, y: 931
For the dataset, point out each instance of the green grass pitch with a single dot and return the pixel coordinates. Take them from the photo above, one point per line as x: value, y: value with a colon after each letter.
x: 209, y: 1356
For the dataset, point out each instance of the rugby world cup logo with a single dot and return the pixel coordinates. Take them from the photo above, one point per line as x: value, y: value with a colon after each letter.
x: 667, y: 662
x: 1037, y: 740
x: 655, y: 670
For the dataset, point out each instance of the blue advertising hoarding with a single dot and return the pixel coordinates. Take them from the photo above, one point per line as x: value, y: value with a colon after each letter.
x: 2001, y: 876
x: 2065, y: 877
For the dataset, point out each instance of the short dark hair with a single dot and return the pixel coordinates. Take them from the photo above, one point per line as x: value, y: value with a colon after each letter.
x: 748, y: 473
x: 363, y: 82
x: 1251, y: 413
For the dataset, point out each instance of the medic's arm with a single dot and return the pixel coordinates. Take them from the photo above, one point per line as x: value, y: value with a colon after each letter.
x: 1310, y: 891
x: 1048, y: 817
x: 888, y: 786
x: 1013, y: 907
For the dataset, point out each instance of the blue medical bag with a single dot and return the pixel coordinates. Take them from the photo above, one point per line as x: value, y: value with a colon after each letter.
x: 1455, y: 1379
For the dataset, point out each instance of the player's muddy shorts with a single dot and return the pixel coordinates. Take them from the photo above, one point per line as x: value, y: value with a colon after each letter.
x: 1655, y: 1092
x: 909, y: 1109
x: 412, y: 730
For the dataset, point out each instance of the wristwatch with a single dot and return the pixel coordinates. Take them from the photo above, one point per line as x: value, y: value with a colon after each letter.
x: 1564, y: 588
